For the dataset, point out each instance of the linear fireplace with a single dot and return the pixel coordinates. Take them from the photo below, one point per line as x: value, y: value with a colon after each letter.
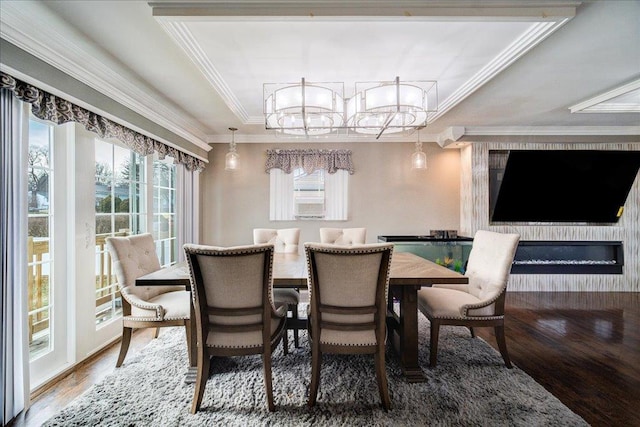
x: 568, y: 257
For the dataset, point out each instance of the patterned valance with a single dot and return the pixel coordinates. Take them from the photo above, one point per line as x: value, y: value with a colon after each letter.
x: 49, y: 107
x: 310, y: 160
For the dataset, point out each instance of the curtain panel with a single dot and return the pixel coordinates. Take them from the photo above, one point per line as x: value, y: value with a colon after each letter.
x: 309, y: 160
x: 14, y: 350
x: 49, y: 107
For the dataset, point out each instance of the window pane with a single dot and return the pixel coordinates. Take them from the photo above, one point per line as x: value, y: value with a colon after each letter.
x: 38, y: 198
x: 38, y: 226
x: 164, y: 208
x: 308, y: 194
x: 39, y: 136
x: 162, y: 174
x: 122, y: 223
x: 40, y: 286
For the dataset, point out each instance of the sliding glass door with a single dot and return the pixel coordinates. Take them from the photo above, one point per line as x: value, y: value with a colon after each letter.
x: 83, y: 189
x: 47, y: 289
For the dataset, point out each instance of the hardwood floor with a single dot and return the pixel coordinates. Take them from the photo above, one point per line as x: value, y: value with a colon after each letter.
x: 582, y: 347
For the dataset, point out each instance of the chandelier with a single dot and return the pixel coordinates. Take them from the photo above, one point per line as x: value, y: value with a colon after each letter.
x: 312, y: 109
x: 304, y: 108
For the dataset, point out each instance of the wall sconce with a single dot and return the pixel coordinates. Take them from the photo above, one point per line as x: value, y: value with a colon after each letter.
x: 418, y: 158
x: 232, y: 158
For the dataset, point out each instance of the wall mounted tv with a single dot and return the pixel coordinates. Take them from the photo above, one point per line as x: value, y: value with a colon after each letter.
x: 582, y: 186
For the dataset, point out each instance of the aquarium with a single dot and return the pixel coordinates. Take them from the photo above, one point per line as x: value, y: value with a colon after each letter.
x: 452, y: 253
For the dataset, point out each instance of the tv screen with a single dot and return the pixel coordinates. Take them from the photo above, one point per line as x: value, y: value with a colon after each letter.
x: 565, y: 185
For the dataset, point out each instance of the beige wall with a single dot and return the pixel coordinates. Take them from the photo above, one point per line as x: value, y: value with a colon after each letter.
x: 385, y: 195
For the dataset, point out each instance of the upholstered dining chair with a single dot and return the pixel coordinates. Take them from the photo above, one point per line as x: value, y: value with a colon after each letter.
x: 285, y: 240
x: 479, y: 303
x: 343, y: 236
x: 235, y: 314
x: 348, y: 288
x: 145, y: 306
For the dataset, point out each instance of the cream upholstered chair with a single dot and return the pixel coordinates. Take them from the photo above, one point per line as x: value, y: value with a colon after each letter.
x: 145, y: 306
x: 234, y: 311
x: 285, y: 240
x: 349, y: 288
x: 343, y: 236
x: 481, y: 302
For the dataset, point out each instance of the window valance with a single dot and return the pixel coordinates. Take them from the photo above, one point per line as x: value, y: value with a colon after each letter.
x: 49, y: 107
x: 310, y: 160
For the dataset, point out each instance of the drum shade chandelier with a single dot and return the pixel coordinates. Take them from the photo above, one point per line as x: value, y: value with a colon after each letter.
x: 313, y: 109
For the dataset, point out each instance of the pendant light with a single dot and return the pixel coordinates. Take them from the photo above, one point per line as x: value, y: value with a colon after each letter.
x: 232, y: 158
x: 418, y: 158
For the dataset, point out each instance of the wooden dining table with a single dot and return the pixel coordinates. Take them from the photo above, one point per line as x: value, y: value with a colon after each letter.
x: 408, y: 274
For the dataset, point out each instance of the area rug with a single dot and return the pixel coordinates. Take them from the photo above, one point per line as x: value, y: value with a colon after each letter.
x: 469, y: 387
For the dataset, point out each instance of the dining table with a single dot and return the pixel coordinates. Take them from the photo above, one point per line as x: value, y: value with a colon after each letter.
x: 409, y: 273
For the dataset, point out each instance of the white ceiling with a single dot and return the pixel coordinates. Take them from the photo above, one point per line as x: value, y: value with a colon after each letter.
x: 503, y: 67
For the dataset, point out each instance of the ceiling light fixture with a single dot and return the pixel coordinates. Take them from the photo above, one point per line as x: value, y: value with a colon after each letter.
x: 418, y: 158
x: 391, y: 107
x: 232, y: 159
x: 312, y: 109
x: 303, y: 108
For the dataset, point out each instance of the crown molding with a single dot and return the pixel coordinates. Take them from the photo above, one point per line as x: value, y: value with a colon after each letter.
x: 39, y: 32
x: 599, y: 104
x: 179, y: 32
x: 552, y: 131
x: 451, y: 137
x: 334, y: 138
x: 436, y: 9
x: 527, y: 41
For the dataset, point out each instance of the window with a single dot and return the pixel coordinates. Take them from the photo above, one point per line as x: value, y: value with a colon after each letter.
x: 308, y: 194
x: 300, y: 195
x: 122, y: 186
x: 164, y: 211
x: 40, y: 220
x: 120, y: 210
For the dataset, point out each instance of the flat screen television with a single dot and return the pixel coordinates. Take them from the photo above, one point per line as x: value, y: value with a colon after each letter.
x: 583, y: 186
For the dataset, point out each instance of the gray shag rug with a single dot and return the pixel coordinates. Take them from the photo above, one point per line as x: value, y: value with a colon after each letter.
x: 469, y: 387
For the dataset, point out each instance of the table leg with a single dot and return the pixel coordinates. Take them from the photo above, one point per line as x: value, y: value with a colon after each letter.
x: 407, y: 328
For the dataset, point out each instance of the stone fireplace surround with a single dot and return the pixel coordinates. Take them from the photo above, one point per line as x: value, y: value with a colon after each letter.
x: 474, y: 215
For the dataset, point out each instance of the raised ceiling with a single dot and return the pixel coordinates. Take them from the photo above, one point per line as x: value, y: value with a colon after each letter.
x: 503, y: 67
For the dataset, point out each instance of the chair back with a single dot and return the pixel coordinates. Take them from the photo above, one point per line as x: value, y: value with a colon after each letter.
x: 489, y: 263
x: 348, y: 287
x: 132, y: 257
x: 343, y: 236
x: 232, y: 294
x: 284, y: 240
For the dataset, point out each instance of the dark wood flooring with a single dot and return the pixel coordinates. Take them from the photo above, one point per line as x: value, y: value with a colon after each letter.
x: 582, y: 347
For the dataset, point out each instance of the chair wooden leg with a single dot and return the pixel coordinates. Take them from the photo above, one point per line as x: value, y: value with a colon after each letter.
x: 285, y: 340
x: 381, y: 376
x: 266, y: 363
x: 190, y: 343
x: 201, y: 380
x: 157, y: 333
x: 316, y: 360
x: 433, y: 342
x: 124, y: 345
x: 502, y: 345
x: 296, y: 342
x: 473, y: 333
